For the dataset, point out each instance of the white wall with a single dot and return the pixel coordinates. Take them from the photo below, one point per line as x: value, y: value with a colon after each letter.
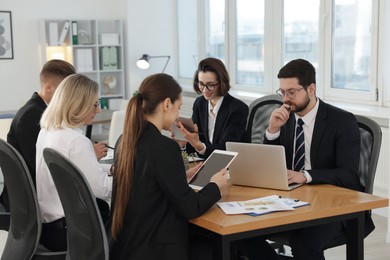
x: 152, y: 30
x: 19, y: 77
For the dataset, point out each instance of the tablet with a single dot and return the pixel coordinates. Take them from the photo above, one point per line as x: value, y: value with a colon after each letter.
x: 187, y: 123
x: 218, y: 160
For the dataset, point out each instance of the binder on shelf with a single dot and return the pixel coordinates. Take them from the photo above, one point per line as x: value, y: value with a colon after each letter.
x: 75, y: 38
x: 113, y: 58
x: 105, y: 58
x: 64, y: 32
x: 53, y: 34
x: 88, y: 59
x: 84, y: 60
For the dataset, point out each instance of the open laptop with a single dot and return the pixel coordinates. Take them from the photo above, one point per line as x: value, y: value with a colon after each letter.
x: 259, y: 165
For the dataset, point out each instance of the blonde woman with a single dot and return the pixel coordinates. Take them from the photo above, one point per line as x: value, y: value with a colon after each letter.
x: 75, y: 103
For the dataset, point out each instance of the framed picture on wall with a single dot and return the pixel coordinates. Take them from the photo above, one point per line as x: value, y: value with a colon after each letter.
x: 6, y: 45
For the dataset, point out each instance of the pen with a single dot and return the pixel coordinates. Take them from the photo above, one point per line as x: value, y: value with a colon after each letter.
x: 295, y: 200
x: 107, y: 146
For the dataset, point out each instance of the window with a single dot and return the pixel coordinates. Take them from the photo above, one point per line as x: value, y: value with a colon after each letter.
x: 256, y: 37
x: 301, y: 32
x: 353, y: 51
x: 249, y: 45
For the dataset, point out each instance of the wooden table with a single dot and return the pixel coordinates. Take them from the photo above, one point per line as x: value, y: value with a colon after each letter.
x: 101, y: 118
x: 327, y: 204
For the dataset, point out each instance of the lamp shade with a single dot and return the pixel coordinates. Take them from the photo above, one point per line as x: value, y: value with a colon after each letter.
x: 143, y: 62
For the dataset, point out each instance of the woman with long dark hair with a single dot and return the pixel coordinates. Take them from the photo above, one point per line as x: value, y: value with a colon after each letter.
x: 152, y: 201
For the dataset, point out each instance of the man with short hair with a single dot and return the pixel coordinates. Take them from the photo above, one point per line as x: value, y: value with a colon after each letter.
x: 322, y: 145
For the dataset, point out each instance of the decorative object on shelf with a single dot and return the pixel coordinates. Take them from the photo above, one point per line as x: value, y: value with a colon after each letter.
x: 109, y: 83
x: 84, y: 37
x: 143, y: 62
x: 6, y: 46
x: 109, y: 39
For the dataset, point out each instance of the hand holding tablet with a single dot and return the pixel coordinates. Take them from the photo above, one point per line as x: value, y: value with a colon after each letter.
x: 217, y: 161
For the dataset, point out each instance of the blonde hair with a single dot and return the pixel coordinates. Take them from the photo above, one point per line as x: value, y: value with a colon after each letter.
x: 71, y: 103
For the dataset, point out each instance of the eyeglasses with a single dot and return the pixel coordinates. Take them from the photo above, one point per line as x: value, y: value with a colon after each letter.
x: 97, y: 104
x: 290, y: 93
x: 210, y: 86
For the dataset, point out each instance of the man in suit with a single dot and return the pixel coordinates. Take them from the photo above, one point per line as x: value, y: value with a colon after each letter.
x: 331, y: 149
x: 25, y: 125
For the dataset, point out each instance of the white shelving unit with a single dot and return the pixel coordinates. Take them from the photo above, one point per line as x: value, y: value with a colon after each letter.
x: 94, y: 47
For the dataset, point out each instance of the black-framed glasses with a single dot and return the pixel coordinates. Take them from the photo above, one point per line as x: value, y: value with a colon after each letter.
x: 290, y: 93
x: 210, y: 86
x: 97, y: 104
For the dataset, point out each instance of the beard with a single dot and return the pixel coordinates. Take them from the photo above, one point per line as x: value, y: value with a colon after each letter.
x: 299, y: 107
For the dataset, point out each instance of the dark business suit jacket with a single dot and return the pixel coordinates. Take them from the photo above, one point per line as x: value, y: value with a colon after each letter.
x: 334, y: 151
x: 230, y: 124
x: 24, y: 132
x: 161, y: 203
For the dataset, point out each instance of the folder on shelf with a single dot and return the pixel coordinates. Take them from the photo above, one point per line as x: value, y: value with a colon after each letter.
x: 64, y: 32
x: 75, y: 37
x: 84, y: 59
x: 113, y: 58
x: 105, y: 58
x: 53, y: 34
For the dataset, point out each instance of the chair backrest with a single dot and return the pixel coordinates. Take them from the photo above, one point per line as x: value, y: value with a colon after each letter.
x: 87, y: 238
x: 370, y: 145
x: 25, y: 223
x: 259, y: 113
x: 116, y: 126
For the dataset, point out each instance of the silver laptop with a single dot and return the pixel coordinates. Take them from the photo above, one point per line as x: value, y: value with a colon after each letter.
x: 259, y: 165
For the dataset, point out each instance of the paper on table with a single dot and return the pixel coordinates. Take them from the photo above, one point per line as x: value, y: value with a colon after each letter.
x: 259, y: 206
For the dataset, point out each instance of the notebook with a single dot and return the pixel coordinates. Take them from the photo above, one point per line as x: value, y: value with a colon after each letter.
x: 218, y: 160
x: 259, y: 165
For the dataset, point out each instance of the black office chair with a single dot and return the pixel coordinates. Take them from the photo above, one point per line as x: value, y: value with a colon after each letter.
x: 87, y: 238
x: 370, y: 145
x: 25, y: 223
x: 259, y: 113
x: 4, y: 218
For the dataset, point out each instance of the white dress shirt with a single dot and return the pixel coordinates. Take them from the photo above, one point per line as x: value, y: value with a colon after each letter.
x: 212, y: 116
x: 308, y: 127
x: 74, y: 145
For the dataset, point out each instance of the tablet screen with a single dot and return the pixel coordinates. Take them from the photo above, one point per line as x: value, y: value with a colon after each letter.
x: 187, y: 123
x: 218, y: 160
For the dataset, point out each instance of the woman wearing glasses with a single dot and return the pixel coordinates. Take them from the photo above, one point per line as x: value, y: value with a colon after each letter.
x: 219, y: 117
x: 75, y: 103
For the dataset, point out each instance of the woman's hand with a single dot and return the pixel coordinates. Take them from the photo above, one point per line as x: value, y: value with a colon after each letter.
x: 220, y: 178
x: 191, y: 137
x: 191, y: 171
x: 100, y: 150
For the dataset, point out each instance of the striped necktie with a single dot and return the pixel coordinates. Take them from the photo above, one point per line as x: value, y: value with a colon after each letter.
x: 299, y: 158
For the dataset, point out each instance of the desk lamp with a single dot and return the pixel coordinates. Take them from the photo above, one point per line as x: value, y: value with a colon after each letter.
x: 143, y: 62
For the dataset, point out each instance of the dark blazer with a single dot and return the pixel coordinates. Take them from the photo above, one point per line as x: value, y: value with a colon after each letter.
x: 334, y: 151
x: 161, y: 203
x: 23, y: 134
x: 230, y: 124
x: 25, y: 128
